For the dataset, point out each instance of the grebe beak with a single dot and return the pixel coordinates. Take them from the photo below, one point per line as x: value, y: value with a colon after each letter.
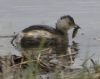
x: 75, y: 31
x: 77, y: 26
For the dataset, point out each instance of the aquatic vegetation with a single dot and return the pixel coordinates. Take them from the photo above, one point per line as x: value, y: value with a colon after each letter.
x: 31, y: 68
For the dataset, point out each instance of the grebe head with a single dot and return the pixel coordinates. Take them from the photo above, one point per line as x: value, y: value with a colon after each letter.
x: 65, y: 23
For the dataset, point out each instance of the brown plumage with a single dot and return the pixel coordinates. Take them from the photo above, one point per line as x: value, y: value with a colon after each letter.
x: 53, y: 37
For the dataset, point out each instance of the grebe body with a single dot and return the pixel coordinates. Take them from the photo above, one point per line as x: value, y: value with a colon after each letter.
x: 57, y: 37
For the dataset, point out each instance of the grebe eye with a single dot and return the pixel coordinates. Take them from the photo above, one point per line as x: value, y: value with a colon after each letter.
x: 70, y: 23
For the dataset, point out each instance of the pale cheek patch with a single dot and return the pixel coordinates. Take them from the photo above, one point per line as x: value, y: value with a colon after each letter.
x: 62, y: 24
